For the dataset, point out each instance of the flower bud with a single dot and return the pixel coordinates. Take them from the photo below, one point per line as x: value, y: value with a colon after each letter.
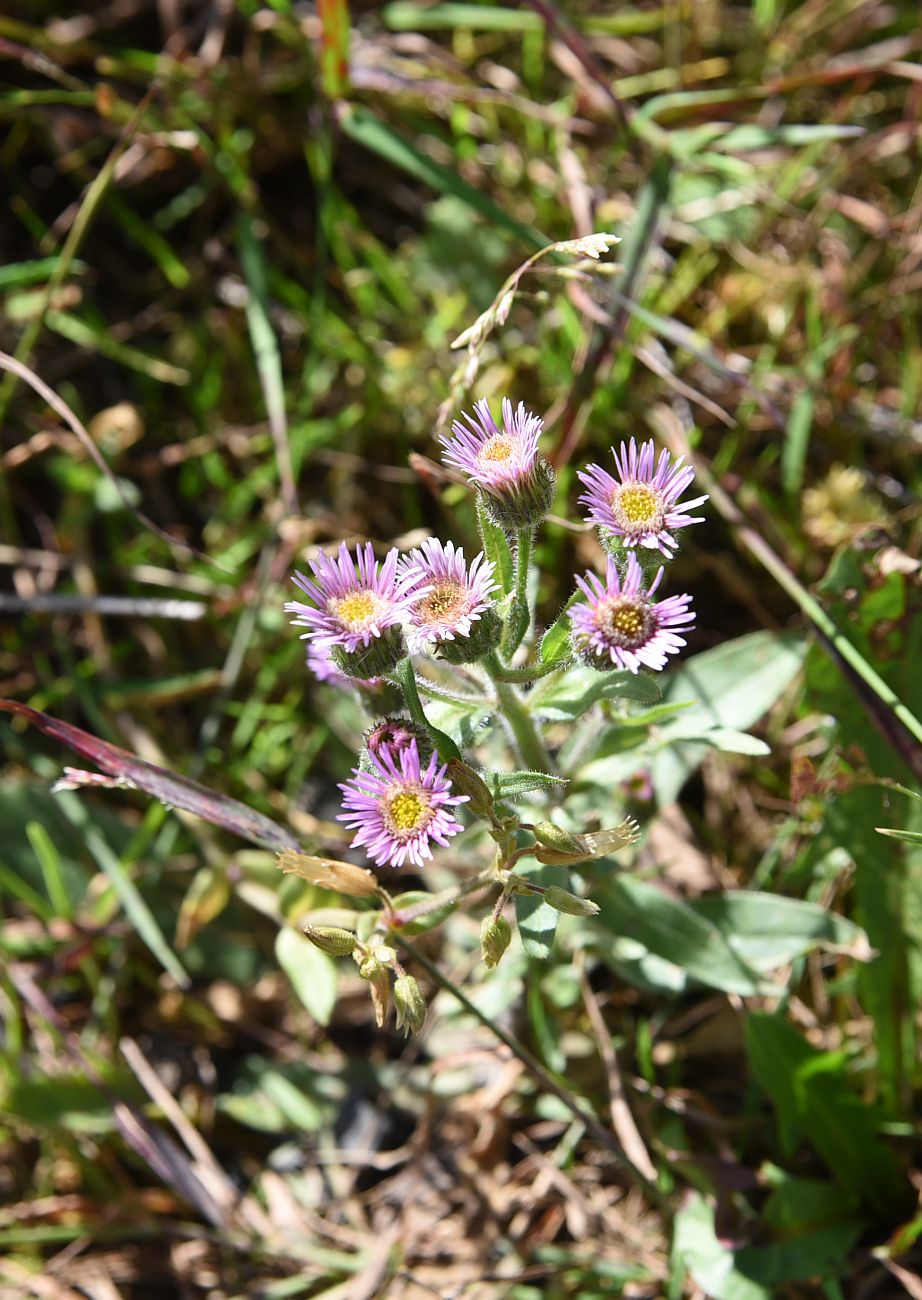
x: 331, y: 939
x: 563, y: 901
x: 466, y: 781
x: 409, y: 1004
x: 485, y: 635
x: 380, y: 657
x: 526, y: 502
x: 395, y: 734
x: 495, y: 937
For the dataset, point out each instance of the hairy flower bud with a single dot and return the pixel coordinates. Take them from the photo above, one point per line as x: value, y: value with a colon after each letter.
x: 495, y: 937
x: 563, y: 901
x: 380, y: 657
x: 527, y: 504
x: 409, y: 1004
x: 331, y: 939
x: 484, y: 636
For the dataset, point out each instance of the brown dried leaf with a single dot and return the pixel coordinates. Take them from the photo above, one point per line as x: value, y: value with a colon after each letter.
x: 345, y: 878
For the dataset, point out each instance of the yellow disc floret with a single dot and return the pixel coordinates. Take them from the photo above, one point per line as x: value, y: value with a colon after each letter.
x: 357, y: 609
x: 444, y: 601
x: 628, y: 623
x: 406, y: 811
x: 497, y: 449
x: 638, y: 508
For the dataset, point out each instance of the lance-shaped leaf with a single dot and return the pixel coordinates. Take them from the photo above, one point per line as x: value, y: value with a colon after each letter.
x: 171, y: 789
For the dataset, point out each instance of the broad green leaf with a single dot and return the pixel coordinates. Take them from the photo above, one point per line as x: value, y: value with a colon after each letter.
x: 671, y: 929
x: 697, y: 1248
x: 537, y: 922
x: 574, y: 694
x: 816, y: 1102
x: 313, y: 974
x: 731, y: 686
x: 555, y: 644
x: 767, y: 931
x: 429, y: 920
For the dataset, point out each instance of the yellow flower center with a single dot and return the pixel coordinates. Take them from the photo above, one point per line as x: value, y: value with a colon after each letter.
x: 357, y: 609
x: 628, y: 623
x: 406, y: 811
x: 443, y: 602
x: 497, y: 448
x: 638, y: 508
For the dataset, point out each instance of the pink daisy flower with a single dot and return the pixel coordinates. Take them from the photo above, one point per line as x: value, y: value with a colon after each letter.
x: 350, y: 610
x: 517, y: 484
x: 621, y: 623
x: 399, y: 809
x: 453, y: 596
x: 493, y: 458
x: 644, y: 507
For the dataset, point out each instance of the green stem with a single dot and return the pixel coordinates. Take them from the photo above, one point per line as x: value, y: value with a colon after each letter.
x: 528, y: 673
x: 519, y: 615
x: 532, y: 749
x: 406, y: 680
x: 451, y: 697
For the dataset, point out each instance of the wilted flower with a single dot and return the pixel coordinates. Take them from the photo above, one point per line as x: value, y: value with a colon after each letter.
x: 516, y: 483
x: 644, y: 506
x: 454, y: 596
x: 622, y: 624
x: 399, y: 808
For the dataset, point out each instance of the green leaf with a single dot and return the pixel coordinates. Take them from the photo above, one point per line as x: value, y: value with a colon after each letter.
x: 910, y: 837
x: 555, y: 644
x: 365, y: 129
x: 537, y: 922
x: 815, y: 1102
x: 574, y: 694
x: 708, y: 1260
x: 671, y: 929
x: 136, y: 908
x: 767, y: 931
x: 313, y: 974
x: 512, y: 785
x: 429, y: 920
x: 731, y: 686
x: 496, y: 548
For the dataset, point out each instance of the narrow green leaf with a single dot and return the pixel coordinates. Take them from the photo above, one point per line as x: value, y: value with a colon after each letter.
x: 496, y: 548
x: 512, y: 785
x: 374, y: 134
x: 50, y: 862
x: 136, y: 909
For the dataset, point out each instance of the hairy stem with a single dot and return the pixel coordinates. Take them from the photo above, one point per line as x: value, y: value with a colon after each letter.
x: 406, y: 680
x: 531, y: 748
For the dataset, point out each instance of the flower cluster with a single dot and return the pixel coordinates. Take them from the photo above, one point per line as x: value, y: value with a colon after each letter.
x: 620, y: 625
x: 363, y: 619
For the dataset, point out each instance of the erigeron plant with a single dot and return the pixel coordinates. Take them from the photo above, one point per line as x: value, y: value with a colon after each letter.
x: 430, y: 624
